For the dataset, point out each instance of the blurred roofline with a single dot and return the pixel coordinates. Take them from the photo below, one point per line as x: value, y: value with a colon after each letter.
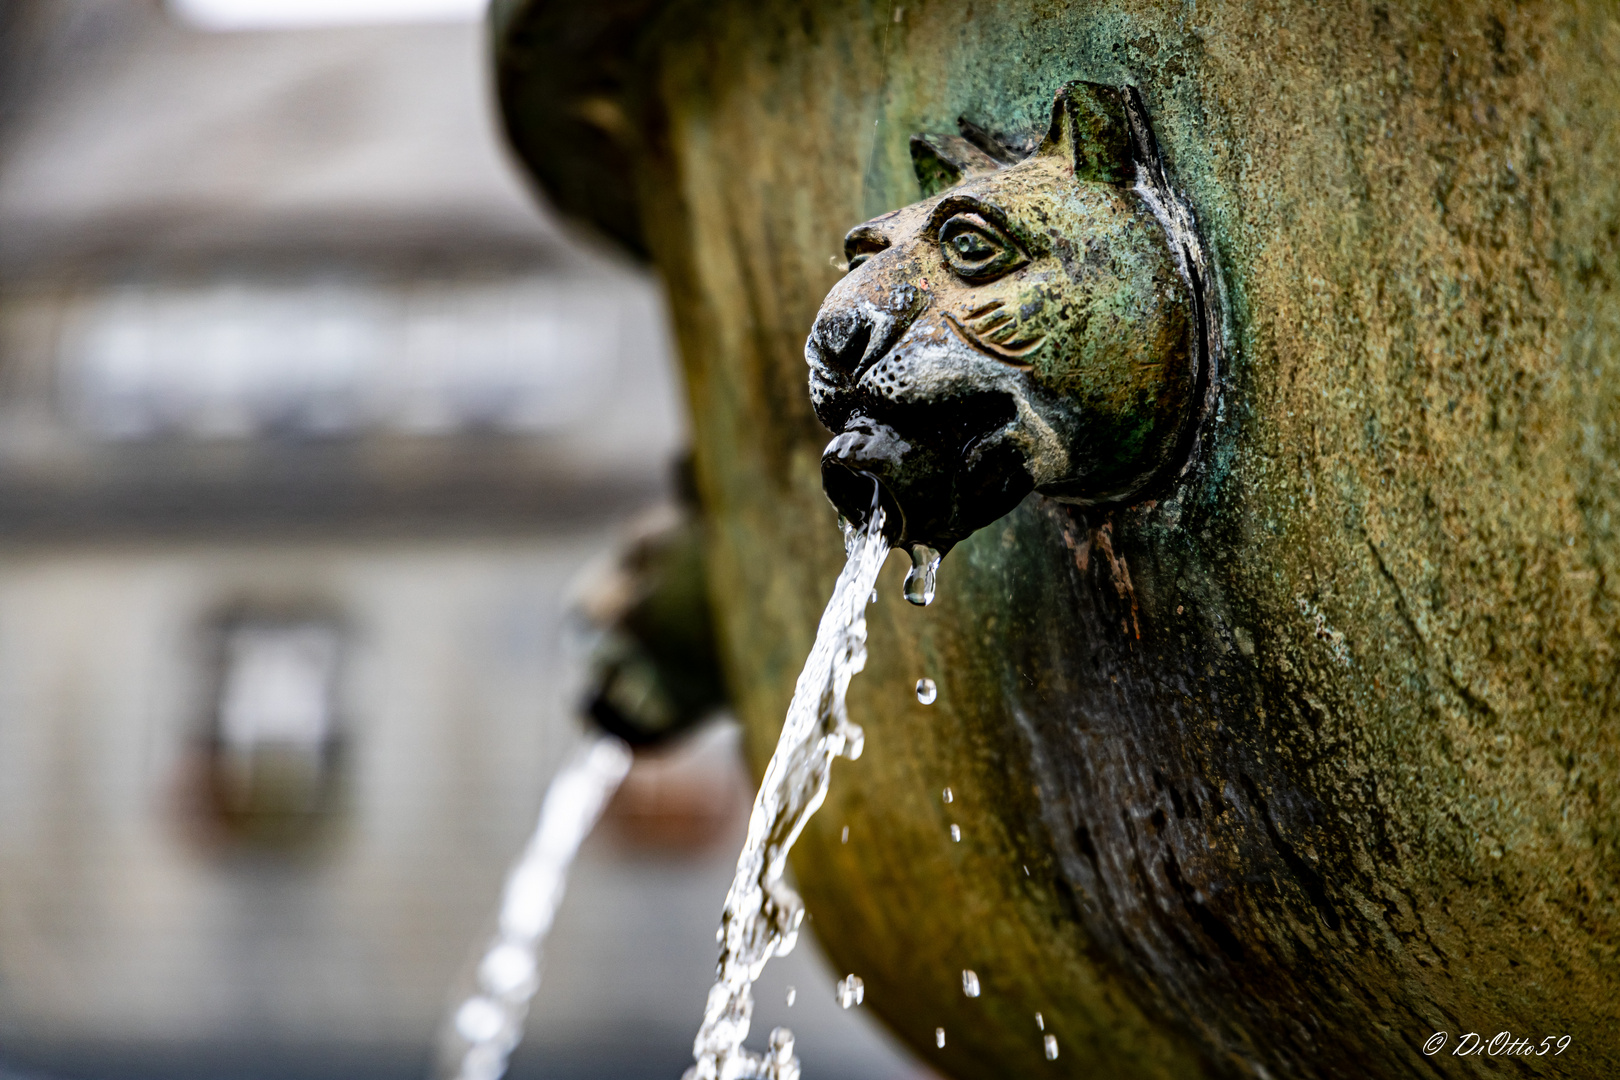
x: 171, y: 241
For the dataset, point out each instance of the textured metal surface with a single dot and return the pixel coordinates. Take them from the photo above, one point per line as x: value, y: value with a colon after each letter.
x: 1035, y: 325
x: 1314, y: 755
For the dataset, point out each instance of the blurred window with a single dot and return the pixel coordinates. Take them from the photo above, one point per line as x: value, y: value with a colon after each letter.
x: 278, y: 688
x: 240, y: 359
x: 275, y: 737
x: 294, y: 14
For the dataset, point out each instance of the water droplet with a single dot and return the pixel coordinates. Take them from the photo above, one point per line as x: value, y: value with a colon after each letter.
x: 956, y: 832
x: 939, y: 1038
x: 920, y: 581
x: 873, y: 598
x: 854, y: 741
x: 927, y: 691
x: 851, y: 991
x: 781, y: 1043
x: 948, y: 796
x: 479, y: 1020
x: 1040, y: 1021
x: 1051, y: 1048
x: 970, y: 983
x: 793, y: 995
x: 1026, y: 870
x: 845, y: 838
x: 506, y: 968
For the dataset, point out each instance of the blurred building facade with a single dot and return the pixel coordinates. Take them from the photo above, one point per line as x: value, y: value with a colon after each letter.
x: 308, y: 422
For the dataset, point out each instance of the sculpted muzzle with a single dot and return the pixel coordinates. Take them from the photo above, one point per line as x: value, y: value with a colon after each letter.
x: 1036, y: 322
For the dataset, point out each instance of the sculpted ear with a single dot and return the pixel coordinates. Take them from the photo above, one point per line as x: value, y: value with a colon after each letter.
x: 943, y: 161
x: 1094, y: 129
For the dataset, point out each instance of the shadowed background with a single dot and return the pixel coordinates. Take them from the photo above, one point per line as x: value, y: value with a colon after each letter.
x: 310, y: 422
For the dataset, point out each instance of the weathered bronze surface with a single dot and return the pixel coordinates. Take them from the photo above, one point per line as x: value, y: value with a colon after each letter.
x: 1036, y: 325
x: 1309, y: 757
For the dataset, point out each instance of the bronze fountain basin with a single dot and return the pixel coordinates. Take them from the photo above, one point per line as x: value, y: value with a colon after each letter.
x: 1283, y: 739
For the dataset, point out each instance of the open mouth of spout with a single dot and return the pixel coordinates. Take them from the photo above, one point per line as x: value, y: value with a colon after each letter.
x: 933, y: 491
x: 857, y: 493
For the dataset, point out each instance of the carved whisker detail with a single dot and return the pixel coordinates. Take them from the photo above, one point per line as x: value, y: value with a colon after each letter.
x: 1008, y: 353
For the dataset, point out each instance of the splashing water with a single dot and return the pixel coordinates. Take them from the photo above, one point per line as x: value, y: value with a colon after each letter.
x: 762, y: 914
x: 486, y: 1025
x: 970, y: 983
x: 919, y: 587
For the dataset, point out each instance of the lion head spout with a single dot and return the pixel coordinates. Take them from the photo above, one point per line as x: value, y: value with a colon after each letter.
x: 1033, y: 323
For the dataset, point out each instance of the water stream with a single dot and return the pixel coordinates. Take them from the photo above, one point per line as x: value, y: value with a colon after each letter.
x: 486, y: 1025
x: 762, y: 913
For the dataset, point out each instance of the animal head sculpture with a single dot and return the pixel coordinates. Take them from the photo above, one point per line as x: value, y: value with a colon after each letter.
x: 1030, y: 324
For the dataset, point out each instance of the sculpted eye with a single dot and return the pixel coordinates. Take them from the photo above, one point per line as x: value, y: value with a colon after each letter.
x: 972, y: 247
x: 977, y: 249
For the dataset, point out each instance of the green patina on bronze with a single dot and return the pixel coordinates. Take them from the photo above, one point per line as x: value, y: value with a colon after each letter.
x: 1315, y: 754
x: 1033, y: 325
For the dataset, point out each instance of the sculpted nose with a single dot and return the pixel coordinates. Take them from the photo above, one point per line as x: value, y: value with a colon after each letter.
x: 841, y: 338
